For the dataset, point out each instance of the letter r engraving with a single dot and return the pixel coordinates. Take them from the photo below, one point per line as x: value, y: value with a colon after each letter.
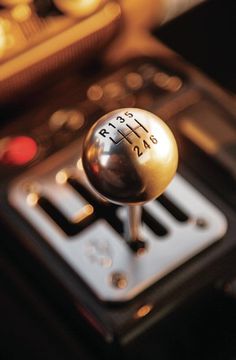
x: 103, y: 132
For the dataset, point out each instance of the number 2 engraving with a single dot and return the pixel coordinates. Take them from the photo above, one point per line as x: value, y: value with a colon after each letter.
x: 136, y: 149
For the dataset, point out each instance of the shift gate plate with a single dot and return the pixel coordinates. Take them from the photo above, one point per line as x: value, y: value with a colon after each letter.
x: 98, y: 253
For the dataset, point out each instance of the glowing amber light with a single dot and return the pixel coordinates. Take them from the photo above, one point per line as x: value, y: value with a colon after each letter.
x: 2, y: 36
x: 77, y: 8
x: 83, y: 214
x: 21, y: 12
x: 95, y: 92
x: 11, y: 3
x: 18, y: 150
x: 134, y: 81
x: 143, y: 311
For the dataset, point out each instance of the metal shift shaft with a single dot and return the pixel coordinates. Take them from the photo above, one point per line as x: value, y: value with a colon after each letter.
x: 132, y: 225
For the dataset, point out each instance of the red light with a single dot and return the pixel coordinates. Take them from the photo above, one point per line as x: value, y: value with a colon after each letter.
x: 19, y: 150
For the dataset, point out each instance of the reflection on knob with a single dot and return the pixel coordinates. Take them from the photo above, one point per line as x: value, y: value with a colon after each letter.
x: 130, y: 156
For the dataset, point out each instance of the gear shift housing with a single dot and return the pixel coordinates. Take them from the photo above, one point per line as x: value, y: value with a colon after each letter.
x: 129, y: 156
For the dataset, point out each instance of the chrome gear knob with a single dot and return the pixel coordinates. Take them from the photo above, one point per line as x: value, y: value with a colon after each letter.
x: 130, y: 156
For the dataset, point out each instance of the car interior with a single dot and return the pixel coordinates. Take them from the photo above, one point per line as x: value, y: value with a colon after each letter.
x: 118, y: 179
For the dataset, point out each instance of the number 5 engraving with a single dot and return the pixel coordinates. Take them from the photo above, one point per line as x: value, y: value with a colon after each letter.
x: 129, y: 114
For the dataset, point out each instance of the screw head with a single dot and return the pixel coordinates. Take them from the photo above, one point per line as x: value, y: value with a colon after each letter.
x: 119, y: 280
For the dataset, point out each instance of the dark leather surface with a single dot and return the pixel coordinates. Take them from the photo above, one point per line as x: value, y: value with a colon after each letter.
x: 27, y: 330
x: 28, y: 326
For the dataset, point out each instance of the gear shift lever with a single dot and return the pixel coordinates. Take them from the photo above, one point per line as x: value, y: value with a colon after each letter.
x: 130, y: 156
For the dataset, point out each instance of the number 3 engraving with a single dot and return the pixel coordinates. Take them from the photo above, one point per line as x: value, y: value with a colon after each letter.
x: 122, y: 120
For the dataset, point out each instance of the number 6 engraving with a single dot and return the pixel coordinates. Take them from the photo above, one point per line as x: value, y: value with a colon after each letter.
x: 153, y: 139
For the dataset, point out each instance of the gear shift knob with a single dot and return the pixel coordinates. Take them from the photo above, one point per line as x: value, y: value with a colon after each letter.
x: 130, y: 156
